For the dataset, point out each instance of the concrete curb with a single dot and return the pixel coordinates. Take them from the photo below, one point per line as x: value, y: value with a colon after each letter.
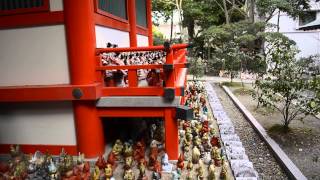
x: 290, y: 168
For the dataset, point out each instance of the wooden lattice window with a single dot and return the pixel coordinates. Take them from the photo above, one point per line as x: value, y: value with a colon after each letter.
x: 8, y: 7
x: 141, y: 10
x: 116, y: 8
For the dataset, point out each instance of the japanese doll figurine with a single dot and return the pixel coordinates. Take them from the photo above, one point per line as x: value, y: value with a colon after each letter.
x: 53, y: 170
x: 197, y: 141
x: 111, y: 159
x: 156, y: 176
x: 190, y: 175
x: 186, y: 153
x: 166, y: 166
x: 200, y: 171
x: 101, y: 163
x: 96, y: 173
x: 195, y: 155
x: 142, y: 170
x: 153, y: 156
x: 117, y: 148
x: 211, y: 172
x: 139, y: 151
x: 127, y: 150
x: 224, y: 170
x: 128, y: 175
x: 205, y: 127
x: 215, y: 141
x: 108, y: 171
x: 15, y: 151
x: 128, y: 162
x: 180, y: 163
x: 176, y: 175
x: 189, y: 165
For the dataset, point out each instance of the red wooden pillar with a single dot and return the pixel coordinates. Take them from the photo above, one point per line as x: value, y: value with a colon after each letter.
x: 171, y: 133
x: 80, y: 35
x: 132, y: 74
x: 132, y: 22
x: 149, y: 22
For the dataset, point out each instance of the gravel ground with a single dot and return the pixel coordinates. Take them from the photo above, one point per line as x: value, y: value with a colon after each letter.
x: 301, y: 144
x: 257, y: 151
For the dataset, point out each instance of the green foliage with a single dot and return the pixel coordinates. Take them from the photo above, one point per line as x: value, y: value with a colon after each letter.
x: 196, y: 67
x: 294, y: 8
x: 158, y: 37
x: 288, y: 86
x: 236, y: 47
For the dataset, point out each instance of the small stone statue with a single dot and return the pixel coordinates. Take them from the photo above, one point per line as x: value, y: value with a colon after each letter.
x: 189, y: 165
x: 142, y: 170
x: 195, y: 155
x: 166, y: 166
x: 156, y: 176
x: 200, y: 171
x: 190, y: 175
x: 117, y: 148
x: 127, y: 150
x: 176, y: 175
x: 128, y: 162
x: 96, y: 173
x: 108, y: 171
x: 211, y: 172
x: 128, y: 175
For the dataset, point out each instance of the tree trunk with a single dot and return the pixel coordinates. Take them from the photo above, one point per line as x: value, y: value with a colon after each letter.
x: 251, y: 10
x: 226, y: 13
x: 278, y: 22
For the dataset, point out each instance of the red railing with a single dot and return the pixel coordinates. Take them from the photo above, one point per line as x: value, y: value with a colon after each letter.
x: 174, y: 70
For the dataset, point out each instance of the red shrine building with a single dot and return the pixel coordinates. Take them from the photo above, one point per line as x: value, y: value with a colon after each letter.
x: 52, y: 89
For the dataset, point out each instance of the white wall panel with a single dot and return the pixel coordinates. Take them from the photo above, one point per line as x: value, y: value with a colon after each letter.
x: 37, y: 123
x: 56, y: 5
x: 114, y: 36
x: 33, y: 56
x: 142, y: 40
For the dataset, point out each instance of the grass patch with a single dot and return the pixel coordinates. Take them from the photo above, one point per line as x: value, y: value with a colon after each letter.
x: 232, y: 84
x: 243, y: 91
x: 278, y: 129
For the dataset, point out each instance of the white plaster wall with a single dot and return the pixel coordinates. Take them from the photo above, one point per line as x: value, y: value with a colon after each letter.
x: 142, y: 40
x: 307, y: 42
x: 56, y: 5
x: 114, y: 36
x: 37, y: 123
x: 33, y: 56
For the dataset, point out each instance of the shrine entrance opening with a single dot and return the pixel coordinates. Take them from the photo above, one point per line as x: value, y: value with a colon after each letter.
x: 133, y: 129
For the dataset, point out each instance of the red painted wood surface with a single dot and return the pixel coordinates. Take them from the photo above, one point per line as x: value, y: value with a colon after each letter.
x: 48, y: 93
x: 132, y: 22
x: 171, y: 134
x: 81, y: 43
x: 31, y: 19
x: 110, y: 22
x: 32, y: 148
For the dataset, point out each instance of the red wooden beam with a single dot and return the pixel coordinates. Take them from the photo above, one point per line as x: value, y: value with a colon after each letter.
x: 48, y: 93
x: 131, y: 112
x: 32, y: 148
x: 110, y: 22
x: 31, y: 19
